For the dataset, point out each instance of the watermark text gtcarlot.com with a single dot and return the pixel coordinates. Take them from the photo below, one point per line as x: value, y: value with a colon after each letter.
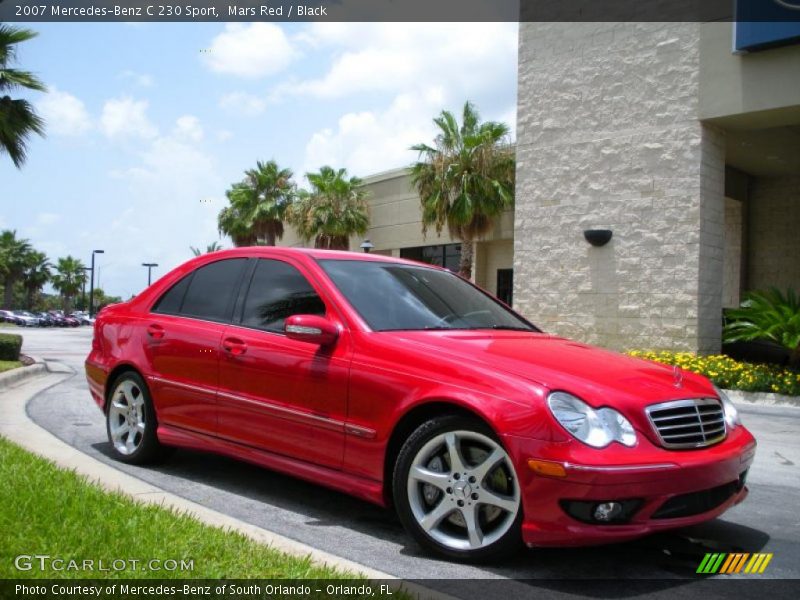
x: 45, y: 562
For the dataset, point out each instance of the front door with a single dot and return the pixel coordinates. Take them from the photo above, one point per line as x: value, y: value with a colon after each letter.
x: 281, y: 395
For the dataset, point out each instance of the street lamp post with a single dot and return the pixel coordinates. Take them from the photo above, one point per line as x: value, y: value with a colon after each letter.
x: 149, y: 270
x: 83, y: 290
x: 91, y: 284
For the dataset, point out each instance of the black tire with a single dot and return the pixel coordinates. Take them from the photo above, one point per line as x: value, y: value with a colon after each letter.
x: 509, y: 543
x: 147, y: 449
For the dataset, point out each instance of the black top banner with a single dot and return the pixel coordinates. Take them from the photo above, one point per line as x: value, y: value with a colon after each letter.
x: 400, y: 10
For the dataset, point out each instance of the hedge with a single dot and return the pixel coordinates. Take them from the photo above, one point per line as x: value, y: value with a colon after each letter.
x: 10, y: 346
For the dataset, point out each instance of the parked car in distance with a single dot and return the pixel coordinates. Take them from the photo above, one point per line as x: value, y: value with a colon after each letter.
x: 71, y: 321
x: 26, y: 319
x: 405, y: 385
x: 83, y: 318
x: 44, y: 319
x: 7, y: 316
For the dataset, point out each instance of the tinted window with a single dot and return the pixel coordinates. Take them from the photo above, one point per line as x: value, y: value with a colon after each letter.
x: 278, y: 290
x: 211, y: 290
x: 398, y: 296
x: 170, y: 303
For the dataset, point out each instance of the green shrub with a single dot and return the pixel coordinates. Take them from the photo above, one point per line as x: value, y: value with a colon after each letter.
x: 10, y: 345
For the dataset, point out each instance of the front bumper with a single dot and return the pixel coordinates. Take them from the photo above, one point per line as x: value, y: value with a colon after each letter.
x: 669, y: 487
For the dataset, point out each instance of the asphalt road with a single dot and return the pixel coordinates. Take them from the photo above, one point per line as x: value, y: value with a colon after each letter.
x: 769, y: 521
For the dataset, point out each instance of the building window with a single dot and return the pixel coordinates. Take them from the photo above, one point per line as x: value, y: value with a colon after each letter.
x: 505, y: 285
x: 445, y: 255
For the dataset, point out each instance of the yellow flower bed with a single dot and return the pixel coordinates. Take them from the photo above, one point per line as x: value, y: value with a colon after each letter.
x: 728, y: 373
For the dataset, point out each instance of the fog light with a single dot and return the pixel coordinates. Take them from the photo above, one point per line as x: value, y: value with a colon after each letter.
x: 607, y: 511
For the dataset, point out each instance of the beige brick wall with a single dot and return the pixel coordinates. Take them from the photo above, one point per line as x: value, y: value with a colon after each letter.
x: 608, y: 137
x: 774, y: 234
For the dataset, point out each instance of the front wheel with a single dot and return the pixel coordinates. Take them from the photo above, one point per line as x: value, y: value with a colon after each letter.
x: 456, y: 490
x: 131, y: 422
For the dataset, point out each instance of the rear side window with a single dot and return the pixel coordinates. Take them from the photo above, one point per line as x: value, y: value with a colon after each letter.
x: 278, y: 290
x: 205, y: 294
x: 170, y: 303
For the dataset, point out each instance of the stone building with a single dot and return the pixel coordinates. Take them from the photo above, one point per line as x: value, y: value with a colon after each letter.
x: 679, y: 138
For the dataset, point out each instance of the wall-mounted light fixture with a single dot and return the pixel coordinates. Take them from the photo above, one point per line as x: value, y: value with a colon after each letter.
x: 597, y: 237
x: 366, y: 246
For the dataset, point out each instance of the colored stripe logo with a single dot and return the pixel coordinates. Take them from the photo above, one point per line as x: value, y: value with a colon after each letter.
x: 732, y: 563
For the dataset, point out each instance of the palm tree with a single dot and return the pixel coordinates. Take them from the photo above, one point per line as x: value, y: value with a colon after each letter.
x: 212, y: 247
x: 37, y: 273
x: 15, y: 252
x: 18, y: 119
x: 334, y: 209
x: 69, y: 277
x: 466, y: 179
x: 258, y: 205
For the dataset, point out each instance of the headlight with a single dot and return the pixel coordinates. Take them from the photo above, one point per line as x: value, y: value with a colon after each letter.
x: 731, y: 414
x: 597, y: 427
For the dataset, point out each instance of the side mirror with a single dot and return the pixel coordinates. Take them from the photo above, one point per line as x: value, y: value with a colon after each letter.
x: 312, y: 329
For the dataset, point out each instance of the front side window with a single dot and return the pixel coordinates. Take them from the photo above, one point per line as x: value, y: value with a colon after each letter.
x: 207, y: 293
x: 396, y: 296
x: 277, y: 291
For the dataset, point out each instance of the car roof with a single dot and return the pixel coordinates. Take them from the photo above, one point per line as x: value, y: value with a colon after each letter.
x: 316, y: 254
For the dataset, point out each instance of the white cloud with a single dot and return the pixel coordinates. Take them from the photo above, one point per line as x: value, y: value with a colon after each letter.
x: 395, y: 57
x: 250, y: 51
x: 188, y: 128
x: 47, y: 218
x: 223, y: 135
x: 126, y: 117
x: 64, y: 114
x: 371, y: 141
x: 243, y: 103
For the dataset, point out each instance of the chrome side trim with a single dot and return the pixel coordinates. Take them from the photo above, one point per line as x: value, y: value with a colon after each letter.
x: 283, y: 412
x: 186, y: 386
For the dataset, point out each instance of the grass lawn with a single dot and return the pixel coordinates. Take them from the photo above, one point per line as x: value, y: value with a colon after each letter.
x: 50, y: 511
x: 7, y: 365
x: 9, y: 325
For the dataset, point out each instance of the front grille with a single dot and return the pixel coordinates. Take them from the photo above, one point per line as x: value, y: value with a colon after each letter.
x: 691, y: 423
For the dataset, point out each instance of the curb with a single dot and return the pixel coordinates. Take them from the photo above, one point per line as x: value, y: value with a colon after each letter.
x: 16, y: 377
x: 16, y: 426
x: 763, y: 398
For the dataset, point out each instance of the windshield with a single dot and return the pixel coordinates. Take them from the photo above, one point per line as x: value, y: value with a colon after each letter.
x: 394, y: 296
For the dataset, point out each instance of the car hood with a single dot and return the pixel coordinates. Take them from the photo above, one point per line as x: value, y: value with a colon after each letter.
x: 598, y: 376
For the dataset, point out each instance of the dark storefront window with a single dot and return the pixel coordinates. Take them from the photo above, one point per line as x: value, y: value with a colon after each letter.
x: 505, y: 285
x: 445, y: 255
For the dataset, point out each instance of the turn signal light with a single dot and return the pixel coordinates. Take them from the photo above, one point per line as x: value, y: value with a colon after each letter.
x: 547, y: 468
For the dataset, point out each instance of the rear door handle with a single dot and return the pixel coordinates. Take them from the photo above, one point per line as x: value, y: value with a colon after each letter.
x: 155, y: 331
x: 234, y: 346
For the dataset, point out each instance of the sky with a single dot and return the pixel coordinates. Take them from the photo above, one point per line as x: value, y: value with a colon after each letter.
x: 149, y: 123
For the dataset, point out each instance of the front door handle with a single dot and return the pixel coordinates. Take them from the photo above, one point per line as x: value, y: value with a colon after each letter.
x: 234, y: 346
x: 155, y: 331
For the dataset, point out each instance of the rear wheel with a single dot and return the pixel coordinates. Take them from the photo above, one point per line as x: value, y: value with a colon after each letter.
x: 131, y: 422
x: 456, y: 491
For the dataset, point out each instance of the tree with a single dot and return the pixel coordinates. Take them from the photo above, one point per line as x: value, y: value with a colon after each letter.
x: 466, y: 179
x: 101, y: 300
x: 333, y: 210
x: 37, y: 273
x: 14, y: 252
x: 18, y: 119
x: 68, y: 280
x: 767, y: 315
x: 258, y: 205
x: 212, y: 247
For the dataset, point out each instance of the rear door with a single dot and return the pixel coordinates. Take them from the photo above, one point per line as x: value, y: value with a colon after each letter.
x: 278, y: 394
x: 183, y: 334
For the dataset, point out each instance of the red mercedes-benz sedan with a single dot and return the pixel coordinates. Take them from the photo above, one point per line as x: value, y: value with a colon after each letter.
x: 406, y: 385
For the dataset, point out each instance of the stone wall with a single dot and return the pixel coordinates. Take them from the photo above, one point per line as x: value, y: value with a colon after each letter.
x: 608, y: 137
x: 774, y: 234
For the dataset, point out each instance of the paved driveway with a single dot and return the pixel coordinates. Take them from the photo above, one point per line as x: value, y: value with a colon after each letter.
x: 769, y: 521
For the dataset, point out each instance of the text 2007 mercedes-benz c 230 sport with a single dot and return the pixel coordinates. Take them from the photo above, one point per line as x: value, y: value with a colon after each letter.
x: 406, y: 385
